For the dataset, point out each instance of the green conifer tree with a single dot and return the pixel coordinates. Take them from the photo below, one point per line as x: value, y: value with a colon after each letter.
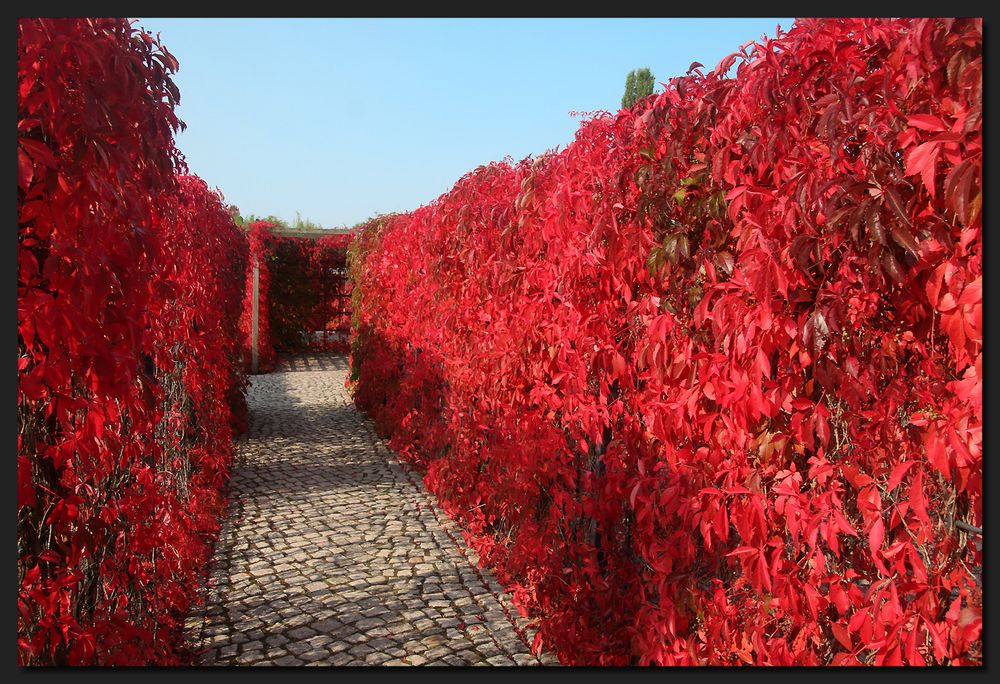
x: 638, y: 85
x: 629, y: 97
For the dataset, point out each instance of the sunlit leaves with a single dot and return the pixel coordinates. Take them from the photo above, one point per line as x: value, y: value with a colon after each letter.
x: 705, y: 386
x: 129, y: 374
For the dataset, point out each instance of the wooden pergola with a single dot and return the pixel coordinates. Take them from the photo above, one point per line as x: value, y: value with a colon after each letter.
x: 255, y: 297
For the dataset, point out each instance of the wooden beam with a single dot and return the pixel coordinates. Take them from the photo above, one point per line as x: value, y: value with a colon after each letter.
x: 312, y: 234
x: 254, y: 316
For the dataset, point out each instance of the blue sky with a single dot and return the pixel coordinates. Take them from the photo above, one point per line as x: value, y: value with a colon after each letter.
x: 340, y: 119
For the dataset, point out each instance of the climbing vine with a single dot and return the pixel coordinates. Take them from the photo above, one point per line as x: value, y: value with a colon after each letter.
x: 130, y: 378
x: 705, y: 387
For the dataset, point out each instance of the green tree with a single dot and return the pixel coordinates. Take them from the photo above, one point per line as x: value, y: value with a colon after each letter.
x: 299, y: 224
x: 305, y: 224
x: 629, y: 97
x: 638, y: 85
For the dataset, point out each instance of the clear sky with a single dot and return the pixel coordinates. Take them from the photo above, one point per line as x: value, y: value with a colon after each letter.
x: 340, y: 119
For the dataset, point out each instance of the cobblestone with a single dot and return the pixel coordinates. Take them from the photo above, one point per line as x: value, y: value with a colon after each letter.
x: 333, y: 553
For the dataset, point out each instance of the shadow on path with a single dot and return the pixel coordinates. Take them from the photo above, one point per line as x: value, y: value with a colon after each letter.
x: 334, y: 554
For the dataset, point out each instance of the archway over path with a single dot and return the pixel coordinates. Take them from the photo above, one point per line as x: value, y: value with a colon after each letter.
x: 298, y: 293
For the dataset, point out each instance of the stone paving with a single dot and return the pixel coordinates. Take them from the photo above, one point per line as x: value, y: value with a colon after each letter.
x: 333, y: 553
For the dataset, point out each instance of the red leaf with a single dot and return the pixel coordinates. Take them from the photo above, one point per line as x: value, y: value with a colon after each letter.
x: 897, y: 474
x: 25, y: 170
x: 842, y: 635
x: 617, y: 365
x: 25, y: 486
x: 536, y: 643
x: 854, y: 475
x: 913, y: 656
x: 31, y: 576
x: 632, y: 495
x: 922, y: 161
x: 896, y: 204
x: 916, y: 497
x: 875, y: 535
x: 38, y: 151
x: 840, y: 599
x: 926, y: 122
x: 936, y: 454
x: 940, y: 651
x: 904, y: 238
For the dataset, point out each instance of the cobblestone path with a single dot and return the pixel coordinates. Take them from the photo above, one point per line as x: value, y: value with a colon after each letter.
x: 333, y: 553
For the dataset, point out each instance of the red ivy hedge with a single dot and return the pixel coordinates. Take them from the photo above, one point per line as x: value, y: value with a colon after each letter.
x: 260, y: 238
x: 328, y: 261
x: 705, y: 387
x: 129, y: 370
x: 293, y: 273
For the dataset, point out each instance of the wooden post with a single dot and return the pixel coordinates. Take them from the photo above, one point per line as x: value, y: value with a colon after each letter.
x: 254, y: 324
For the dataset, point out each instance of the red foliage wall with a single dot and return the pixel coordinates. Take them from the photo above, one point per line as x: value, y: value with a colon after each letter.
x: 705, y: 387
x: 261, y: 238
x: 129, y: 372
x: 328, y: 259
